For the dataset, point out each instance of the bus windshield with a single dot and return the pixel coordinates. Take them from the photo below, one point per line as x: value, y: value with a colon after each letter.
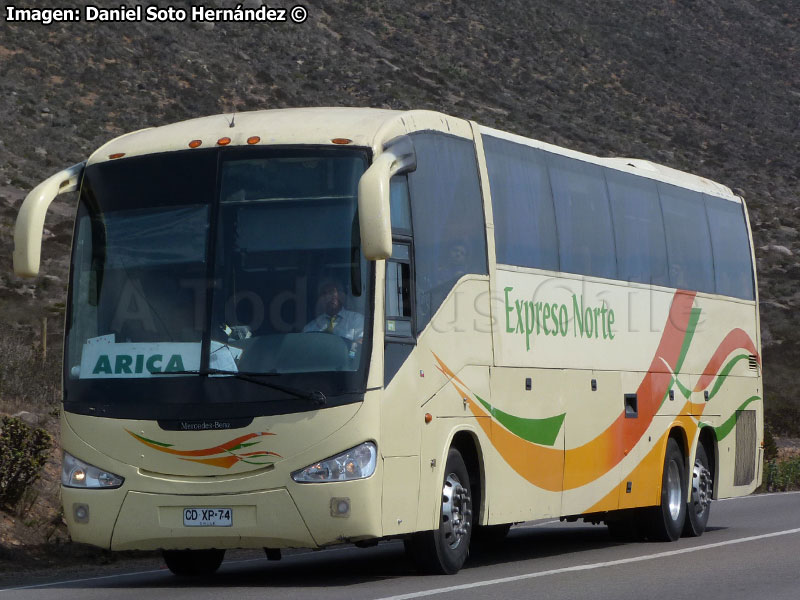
x: 222, y: 261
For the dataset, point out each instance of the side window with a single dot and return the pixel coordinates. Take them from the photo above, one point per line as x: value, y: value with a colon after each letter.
x: 585, y: 238
x: 400, y: 207
x: 398, y: 291
x: 399, y: 303
x: 447, y: 217
x: 688, y: 245
x: 638, y: 228
x: 522, y: 203
x: 733, y: 269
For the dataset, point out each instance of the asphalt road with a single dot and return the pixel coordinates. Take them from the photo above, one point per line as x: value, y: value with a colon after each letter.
x: 751, y: 549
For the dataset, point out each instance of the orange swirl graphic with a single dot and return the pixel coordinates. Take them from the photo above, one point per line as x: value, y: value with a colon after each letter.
x: 226, y: 447
x: 544, y: 466
x: 737, y: 339
x: 229, y: 449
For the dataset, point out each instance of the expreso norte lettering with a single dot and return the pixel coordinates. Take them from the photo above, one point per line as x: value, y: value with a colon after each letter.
x: 536, y: 318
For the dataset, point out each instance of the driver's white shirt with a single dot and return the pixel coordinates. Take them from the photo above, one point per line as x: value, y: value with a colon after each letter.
x: 346, y: 323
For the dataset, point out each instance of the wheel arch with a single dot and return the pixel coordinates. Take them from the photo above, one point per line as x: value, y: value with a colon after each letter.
x: 708, y: 438
x: 467, y: 443
x: 678, y: 433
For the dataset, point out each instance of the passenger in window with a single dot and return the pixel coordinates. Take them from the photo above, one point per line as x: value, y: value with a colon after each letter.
x: 458, y: 260
x: 333, y: 317
x: 451, y: 267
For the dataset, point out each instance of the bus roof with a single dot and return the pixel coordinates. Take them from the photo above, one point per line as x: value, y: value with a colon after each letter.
x: 642, y: 168
x: 365, y: 127
x: 368, y: 127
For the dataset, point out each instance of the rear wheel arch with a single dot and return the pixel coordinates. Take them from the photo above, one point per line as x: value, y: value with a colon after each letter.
x: 665, y: 521
x: 708, y: 439
x: 678, y: 433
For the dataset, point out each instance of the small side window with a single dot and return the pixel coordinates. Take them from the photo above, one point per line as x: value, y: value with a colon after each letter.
x: 691, y: 266
x: 730, y: 243
x: 398, y: 292
x: 400, y: 205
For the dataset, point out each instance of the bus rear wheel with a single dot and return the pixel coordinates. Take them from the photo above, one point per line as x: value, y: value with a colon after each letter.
x: 444, y: 550
x: 191, y: 563
x: 699, y: 507
x: 665, y: 522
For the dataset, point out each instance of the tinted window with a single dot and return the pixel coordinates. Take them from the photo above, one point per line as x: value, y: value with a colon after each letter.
x: 398, y: 291
x: 524, y: 221
x: 585, y: 238
x: 638, y: 228
x: 733, y: 270
x: 447, y: 215
x: 688, y: 244
x: 400, y: 211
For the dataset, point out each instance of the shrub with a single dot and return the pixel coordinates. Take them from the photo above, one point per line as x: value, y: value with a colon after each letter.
x: 770, y: 447
x: 782, y: 476
x: 23, y: 453
x: 25, y: 381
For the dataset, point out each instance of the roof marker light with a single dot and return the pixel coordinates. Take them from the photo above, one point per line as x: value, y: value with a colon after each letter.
x: 253, y: 140
x: 195, y: 143
x: 223, y: 141
x: 341, y: 141
x: 117, y: 155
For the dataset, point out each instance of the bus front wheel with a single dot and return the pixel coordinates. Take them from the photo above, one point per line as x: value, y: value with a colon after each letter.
x: 192, y: 563
x: 445, y: 549
x: 666, y: 520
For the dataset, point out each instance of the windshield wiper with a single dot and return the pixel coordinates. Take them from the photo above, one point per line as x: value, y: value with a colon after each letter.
x: 314, y: 396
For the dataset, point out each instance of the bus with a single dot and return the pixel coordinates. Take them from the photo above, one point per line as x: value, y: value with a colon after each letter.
x: 315, y: 326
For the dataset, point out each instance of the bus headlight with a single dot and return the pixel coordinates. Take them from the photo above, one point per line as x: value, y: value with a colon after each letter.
x: 356, y: 463
x: 77, y: 474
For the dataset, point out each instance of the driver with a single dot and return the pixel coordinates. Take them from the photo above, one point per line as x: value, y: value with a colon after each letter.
x: 334, y: 317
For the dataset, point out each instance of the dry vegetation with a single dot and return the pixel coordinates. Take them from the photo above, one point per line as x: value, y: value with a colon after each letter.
x: 712, y: 87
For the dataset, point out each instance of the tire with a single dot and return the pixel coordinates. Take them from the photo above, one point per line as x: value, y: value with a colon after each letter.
x: 698, y: 508
x: 444, y: 550
x: 665, y: 522
x: 192, y: 563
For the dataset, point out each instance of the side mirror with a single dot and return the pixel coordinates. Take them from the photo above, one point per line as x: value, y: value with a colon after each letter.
x: 30, y: 220
x: 374, y: 212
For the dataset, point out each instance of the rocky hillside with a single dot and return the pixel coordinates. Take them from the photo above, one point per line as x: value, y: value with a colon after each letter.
x: 712, y: 87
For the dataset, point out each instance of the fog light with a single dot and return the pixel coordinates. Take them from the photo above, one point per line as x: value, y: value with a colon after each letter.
x: 81, y: 513
x: 340, y: 507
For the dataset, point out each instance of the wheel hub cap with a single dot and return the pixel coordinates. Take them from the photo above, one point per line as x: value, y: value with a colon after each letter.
x: 701, y: 488
x: 456, y: 511
x: 674, y: 490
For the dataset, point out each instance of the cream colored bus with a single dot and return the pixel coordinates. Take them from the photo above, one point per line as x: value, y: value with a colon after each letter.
x: 305, y: 327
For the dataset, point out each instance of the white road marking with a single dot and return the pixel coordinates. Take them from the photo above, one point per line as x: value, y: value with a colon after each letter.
x: 600, y: 565
x: 754, y: 496
x: 164, y: 569
x: 43, y: 585
x: 453, y: 588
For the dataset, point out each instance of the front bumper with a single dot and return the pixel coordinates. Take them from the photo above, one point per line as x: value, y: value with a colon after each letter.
x: 304, y: 518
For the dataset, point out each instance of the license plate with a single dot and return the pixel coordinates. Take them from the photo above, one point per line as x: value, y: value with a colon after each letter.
x: 208, y: 517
